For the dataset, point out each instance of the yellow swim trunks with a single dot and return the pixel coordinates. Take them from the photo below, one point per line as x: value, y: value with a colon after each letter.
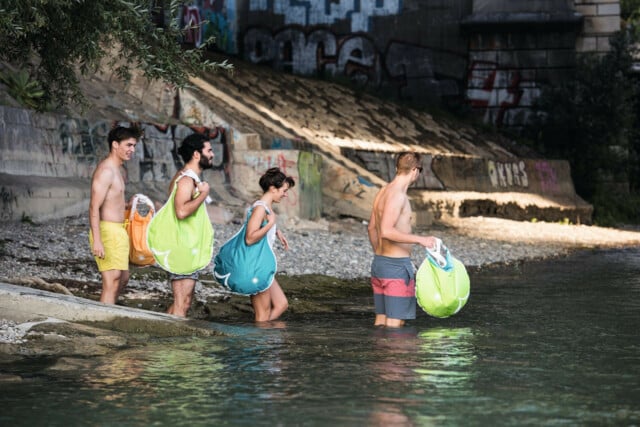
x: 116, y: 246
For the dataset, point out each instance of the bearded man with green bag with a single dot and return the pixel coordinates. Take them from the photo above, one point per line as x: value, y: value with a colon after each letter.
x: 180, y: 235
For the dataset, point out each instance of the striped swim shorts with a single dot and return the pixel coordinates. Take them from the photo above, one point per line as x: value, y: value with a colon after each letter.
x: 394, y: 287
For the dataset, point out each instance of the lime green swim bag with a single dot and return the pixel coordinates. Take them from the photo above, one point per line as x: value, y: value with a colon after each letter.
x: 442, y: 283
x: 181, y: 246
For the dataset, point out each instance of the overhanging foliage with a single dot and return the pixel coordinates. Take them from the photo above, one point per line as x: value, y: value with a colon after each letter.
x: 56, y: 41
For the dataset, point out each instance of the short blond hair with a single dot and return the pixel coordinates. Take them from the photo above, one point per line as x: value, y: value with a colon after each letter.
x: 407, y: 161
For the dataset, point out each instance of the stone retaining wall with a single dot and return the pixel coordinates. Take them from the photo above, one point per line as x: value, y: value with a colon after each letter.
x: 46, y: 163
x: 494, y: 55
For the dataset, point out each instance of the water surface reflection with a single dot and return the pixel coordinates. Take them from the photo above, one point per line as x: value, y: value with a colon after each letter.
x: 540, y: 344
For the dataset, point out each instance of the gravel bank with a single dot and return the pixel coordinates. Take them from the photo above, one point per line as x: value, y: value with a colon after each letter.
x: 341, y: 249
x: 60, y: 250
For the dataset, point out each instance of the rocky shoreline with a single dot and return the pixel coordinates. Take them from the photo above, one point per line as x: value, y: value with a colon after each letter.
x: 328, y: 261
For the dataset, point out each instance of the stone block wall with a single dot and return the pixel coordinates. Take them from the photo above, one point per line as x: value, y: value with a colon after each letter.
x: 601, y: 18
x: 493, y: 55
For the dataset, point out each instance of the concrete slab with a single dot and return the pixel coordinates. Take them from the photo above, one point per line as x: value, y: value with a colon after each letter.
x: 22, y: 304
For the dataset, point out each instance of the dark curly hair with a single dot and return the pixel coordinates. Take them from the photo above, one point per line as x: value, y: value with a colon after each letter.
x: 120, y: 133
x: 275, y: 177
x: 191, y: 144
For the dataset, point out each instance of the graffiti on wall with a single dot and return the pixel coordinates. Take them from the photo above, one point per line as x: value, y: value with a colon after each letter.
x: 504, y: 95
x: 84, y: 140
x: 204, y: 19
x: 310, y: 184
x: 327, y: 12
x: 156, y: 157
x: 547, y: 177
x: 384, y: 165
x: 319, y: 52
x: 407, y: 67
x: 280, y: 144
x: 352, y: 188
x: 507, y: 174
x: 420, y: 67
x: 514, y: 174
x: 158, y: 154
x: 260, y: 163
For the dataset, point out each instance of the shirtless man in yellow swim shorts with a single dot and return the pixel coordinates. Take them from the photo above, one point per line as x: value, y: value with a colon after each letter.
x: 108, y: 236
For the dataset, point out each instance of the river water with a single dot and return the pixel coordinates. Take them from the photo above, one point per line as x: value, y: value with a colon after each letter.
x: 550, y: 343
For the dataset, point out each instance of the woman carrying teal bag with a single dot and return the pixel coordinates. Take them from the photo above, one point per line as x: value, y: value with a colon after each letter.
x: 246, y: 263
x: 246, y: 269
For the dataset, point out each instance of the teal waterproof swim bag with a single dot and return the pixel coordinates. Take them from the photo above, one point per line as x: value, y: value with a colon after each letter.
x: 181, y: 246
x: 442, y: 283
x: 245, y: 269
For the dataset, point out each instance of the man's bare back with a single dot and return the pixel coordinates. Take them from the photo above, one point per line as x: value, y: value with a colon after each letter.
x: 391, y: 207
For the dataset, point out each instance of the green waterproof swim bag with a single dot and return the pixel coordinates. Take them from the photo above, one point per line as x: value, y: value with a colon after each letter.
x: 181, y: 246
x: 442, y: 283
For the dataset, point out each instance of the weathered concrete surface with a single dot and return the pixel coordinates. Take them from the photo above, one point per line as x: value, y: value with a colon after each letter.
x: 48, y: 197
x: 22, y: 304
x: 55, y: 325
x: 256, y: 114
x: 303, y: 200
x: 358, y: 136
x: 517, y: 206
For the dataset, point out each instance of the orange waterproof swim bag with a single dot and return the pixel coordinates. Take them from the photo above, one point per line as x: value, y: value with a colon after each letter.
x: 138, y: 218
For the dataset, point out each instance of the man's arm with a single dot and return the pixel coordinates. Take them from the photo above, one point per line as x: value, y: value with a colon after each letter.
x: 100, y: 184
x: 371, y: 229
x: 255, y: 231
x: 183, y: 203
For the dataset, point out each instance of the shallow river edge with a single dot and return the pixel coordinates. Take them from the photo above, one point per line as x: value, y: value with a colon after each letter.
x: 47, y: 266
x: 33, y: 325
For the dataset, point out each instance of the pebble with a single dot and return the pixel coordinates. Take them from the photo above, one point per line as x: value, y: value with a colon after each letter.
x: 10, y: 333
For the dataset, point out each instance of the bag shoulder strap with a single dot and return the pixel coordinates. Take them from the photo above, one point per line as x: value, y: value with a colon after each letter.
x: 186, y: 172
x: 260, y: 203
x: 191, y: 174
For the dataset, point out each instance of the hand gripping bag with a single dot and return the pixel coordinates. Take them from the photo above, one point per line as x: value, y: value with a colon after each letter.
x: 138, y: 218
x: 245, y: 269
x: 442, y: 283
x: 181, y: 246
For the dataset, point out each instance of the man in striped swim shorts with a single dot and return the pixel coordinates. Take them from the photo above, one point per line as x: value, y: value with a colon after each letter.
x: 390, y: 234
